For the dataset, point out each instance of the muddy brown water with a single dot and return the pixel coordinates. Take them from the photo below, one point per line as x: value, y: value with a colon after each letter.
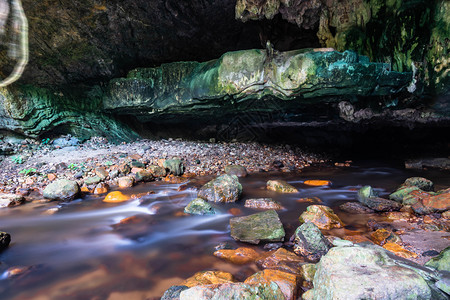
x: 76, y: 253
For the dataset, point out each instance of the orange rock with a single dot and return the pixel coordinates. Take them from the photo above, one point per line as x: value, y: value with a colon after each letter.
x: 235, y: 211
x: 180, y: 214
x: 115, y: 197
x: 85, y: 189
x: 282, y: 260
x: 310, y: 200
x: 238, y: 256
x: 101, y: 188
x: 322, y: 216
x: 383, y: 236
x: 399, y: 215
x: 399, y: 250
x: 130, y: 220
x: 51, y: 176
x: 355, y: 239
x: 209, y: 277
x: 288, y: 283
x: 439, y: 202
x: 174, y: 179
x: 317, y: 182
x: 428, y: 219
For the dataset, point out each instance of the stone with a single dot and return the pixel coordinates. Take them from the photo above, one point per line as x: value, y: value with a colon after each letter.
x: 136, y: 164
x: 173, y: 293
x: 366, y: 272
x: 5, y: 239
x: 143, y: 176
x: 282, y: 260
x: 233, y: 291
x: 382, y: 236
x: 125, y: 182
x: 402, y: 192
x: 62, y: 189
x: 157, y: 171
x: 364, y: 193
x: 399, y: 250
x: 287, y: 282
x: 237, y: 170
x: 322, y: 216
x: 174, y: 166
x: 440, y: 262
x: 225, y: 188
x: 199, y: 206
x: 310, y: 242
x: 260, y: 227
x: 263, y: 203
x: 355, y: 239
x: 414, y: 197
x: 317, y: 182
x: 399, y: 216
x: 420, y: 182
x: 101, y: 188
x: 238, y: 256
x: 382, y: 205
x: 440, y: 202
x: 101, y: 172
x: 208, y: 277
x: 92, y: 180
x: 124, y: 168
x: 116, y: 197
x: 356, y: 208
x: 308, y: 271
x: 280, y: 186
x: 9, y: 200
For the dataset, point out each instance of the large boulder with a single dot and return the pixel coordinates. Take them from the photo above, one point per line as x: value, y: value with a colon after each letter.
x: 367, y: 272
x: 62, y: 189
x: 310, y: 242
x: 225, y: 188
x: 261, y: 227
x: 322, y: 216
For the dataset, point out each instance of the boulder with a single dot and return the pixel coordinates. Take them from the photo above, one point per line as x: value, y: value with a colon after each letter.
x: 322, y: 216
x: 280, y: 186
x: 402, y: 192
x: 310, y: 242
x: 260, y: 227
x: 287, y: 282
x: 62, y: 189
x: 356, y: 208
x: 282, y: 260
x: 234, y: 291
x: 199, y: 206
x: 367, y: 272
x: 8, y: 200
x: 263, y: 203
x: 5, y: 239
x: 441, y: 262
x: 238, y: 256
x: 420, y: 182
x: 237, y: 170
x: 174, y: 166
x: 208, y: 277
x: 225, y: 188
x: 440, y: 202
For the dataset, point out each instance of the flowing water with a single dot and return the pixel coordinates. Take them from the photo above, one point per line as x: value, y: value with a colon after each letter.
x: 77, y: 253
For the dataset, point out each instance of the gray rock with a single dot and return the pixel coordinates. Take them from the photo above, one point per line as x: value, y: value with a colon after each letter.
x: 8, y: 200
x: 225, y: 188
x: 367, y: 196
x: 237, y: 170
x: 62, y: 189
x: 355, y: 208
x: 261, y: 227
x: 174, y: 166
x: 5, y: 239
x: 92, y: 180
x: 173, y: 293
x: 199, y: 206
x: 310, y: 242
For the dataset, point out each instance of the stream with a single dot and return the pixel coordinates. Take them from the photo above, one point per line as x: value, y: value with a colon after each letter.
x: 78, y: 252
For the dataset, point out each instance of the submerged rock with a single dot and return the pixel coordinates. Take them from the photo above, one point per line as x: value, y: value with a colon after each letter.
x: 62, y: 189
x: 209, y: 277
x: 310, y: 242
x: 237, y: 170
x: 8, y: 200
x: 280, y: 186
x: 322, y: 216
x: 5, y: 239
x: 261, y: 227
x: 238, y: 256
x: 225, y: 188
x: 263, y: 203
x: 199, y: 206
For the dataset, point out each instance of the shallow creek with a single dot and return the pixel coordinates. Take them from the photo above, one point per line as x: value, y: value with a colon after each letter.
x: 75, y: 253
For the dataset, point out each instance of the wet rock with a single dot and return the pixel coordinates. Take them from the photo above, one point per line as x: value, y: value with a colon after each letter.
x: 5, y: 239
x: 399, y: 215
x: 125, y: 182
x: 366, y: 273
x: 233, y: 291
x: 355, y: 239
x: 143, y: 175
x: 310, y: 242
x: 101, y: 188
x: 261, y: 227
x: 280, y: 186
x: 174, y: 166
x: 282, y: 260
x: 263, y: 203
x: 414, y: 197
x: 199, y: 206
x: 367, y: 196
x: 440, y: 202
x: 209, y: 277
x: 157, y: 171
x: 382, y: 236
x: 322, y: 216
x: 436, y: 163
x: 62, y: 189
x: 237, y: 170
x: 173, y: 293
x: 101, y: 172
x: 238, y: 256
x: 420, y: 182
x: 356, y: 208
x: 116, y: 197
x: 440, y: 262
x: 287, y: 282
x: 92, y: 180
x: 317, y: 182
x: 401, y: 193
x: 225, y: 188
x: 364, y: 193
x: 399, y: 250
x: 9, y: 200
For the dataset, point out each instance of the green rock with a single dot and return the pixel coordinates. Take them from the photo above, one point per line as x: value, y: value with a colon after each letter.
x: 157, y: 171
x: 237, y: 170
x: 233, y: 291
x: 310, y: 242
x: 137, y: 164
x: 260, y: 227
x: 92, y: 180
x: 174, y: 166
x: 173, y: 293
x: 401, y: 193
x: 364, y: 193
x: 280, y: 186
x: 62, y: 189
x: 5, y: 239
x: 199, y: 206
x: 225, y: 188
x: 143, y: 175
x: 308, y: 271
x: 441, y: 262
x: 420, y: 182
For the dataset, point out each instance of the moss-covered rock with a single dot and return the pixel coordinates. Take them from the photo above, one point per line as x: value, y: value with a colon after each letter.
x: 441, y: 262
x: 199, y: 206
x: 225, y: 188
